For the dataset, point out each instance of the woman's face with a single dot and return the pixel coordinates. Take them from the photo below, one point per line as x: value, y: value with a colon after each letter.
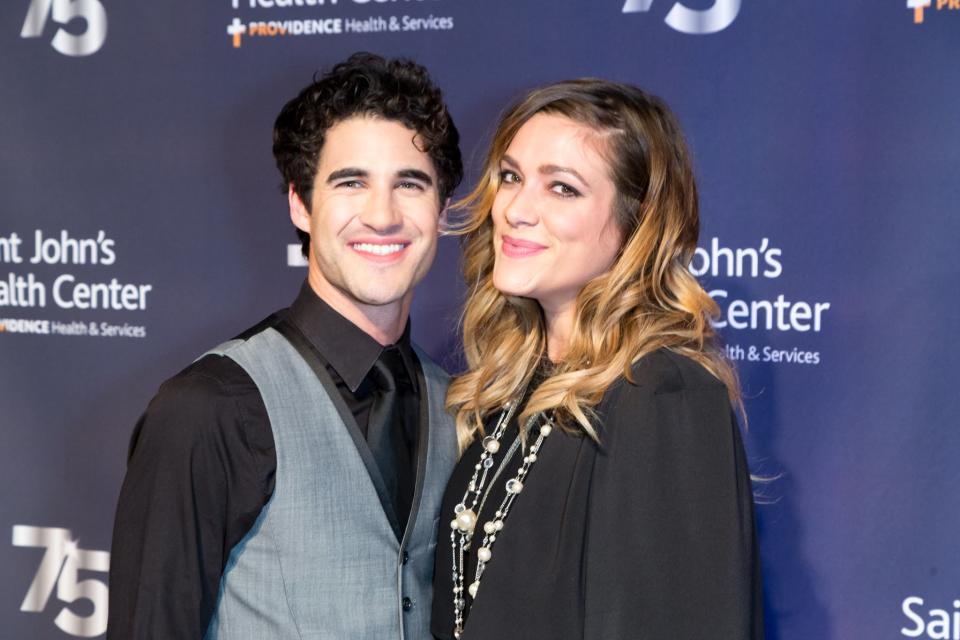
x: 553, y: 221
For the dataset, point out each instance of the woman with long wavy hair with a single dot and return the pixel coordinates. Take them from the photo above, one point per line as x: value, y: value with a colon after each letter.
x: 603, y: 490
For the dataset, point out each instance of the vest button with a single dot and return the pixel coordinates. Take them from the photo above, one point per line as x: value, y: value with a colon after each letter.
x: 404, y: 558
x: 407, y: 604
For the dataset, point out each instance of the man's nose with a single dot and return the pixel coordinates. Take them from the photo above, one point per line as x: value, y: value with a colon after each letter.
x: 381, y: 211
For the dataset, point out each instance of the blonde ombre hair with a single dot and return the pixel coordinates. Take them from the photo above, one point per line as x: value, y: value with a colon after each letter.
x: 647, y: 300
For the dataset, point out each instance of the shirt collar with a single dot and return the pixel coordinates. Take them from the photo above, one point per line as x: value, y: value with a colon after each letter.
x: 345, y: 346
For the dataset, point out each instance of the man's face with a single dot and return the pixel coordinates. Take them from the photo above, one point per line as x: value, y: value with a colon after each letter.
x: 373, y: 216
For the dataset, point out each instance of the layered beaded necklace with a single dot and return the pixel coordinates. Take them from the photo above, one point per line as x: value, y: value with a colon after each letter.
x: 467, y: 510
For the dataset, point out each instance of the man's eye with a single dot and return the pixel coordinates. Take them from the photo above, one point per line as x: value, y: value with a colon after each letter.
x: 350, y: 184
x: 412, y: 186
x: 564, y: 190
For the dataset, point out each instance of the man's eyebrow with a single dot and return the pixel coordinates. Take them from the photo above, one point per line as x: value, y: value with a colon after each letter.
x: 347, y: 172
x: 548, y: 169
x: 416, y: 174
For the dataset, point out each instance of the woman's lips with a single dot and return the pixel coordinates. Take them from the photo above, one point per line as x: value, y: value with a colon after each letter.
x: 516, y: 248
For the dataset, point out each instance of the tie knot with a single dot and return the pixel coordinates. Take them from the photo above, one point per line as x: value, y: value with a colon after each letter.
x: 389, y: 371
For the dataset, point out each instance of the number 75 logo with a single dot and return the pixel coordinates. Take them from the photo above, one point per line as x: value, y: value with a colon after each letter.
x: 694, y: 21
x: 58, y: 569
x: 63, y: 12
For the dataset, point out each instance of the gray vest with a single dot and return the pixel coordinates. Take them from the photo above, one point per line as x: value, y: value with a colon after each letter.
x: 323, y: 561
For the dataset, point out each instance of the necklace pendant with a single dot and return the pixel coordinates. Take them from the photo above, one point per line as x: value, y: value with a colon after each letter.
x: 466, y: 520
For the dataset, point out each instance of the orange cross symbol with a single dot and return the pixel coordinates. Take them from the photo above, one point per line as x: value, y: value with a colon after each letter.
x: 236, y: 29
x: 918, y: 6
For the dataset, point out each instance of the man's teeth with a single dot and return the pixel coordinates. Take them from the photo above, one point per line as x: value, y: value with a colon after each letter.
x: 377, y: 249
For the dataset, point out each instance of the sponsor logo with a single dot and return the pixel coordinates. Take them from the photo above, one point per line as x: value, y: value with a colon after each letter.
x: 60, y: 563
x: 734, y: 271
x: 240, y: 31
x: 236, y: 30
x: 295, y: 256
x: 23, y: 289
x: 275, y: 28
x: 932, y: 623
x: 69, y: 14
x: 919, y: 6
x: 292, y: 4
x: 68, y: 292
x: 44, y: 327
x: 682, y: 18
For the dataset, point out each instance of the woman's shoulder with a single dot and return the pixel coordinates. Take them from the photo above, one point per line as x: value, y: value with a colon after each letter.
x: 665, y: 371
x: 664, y: 388
x: 670, y: 402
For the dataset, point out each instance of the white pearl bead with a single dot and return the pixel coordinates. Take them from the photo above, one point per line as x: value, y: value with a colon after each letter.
x: 545, y: 430
x: 473, y: 589
x: 453, y: 524
x: 466, y: 520
x: 484, y: 554
x: 514, y: 486
x: 490, y: 444
x: 489, y: 527
x: 498, y: 525
x: 533, y: 457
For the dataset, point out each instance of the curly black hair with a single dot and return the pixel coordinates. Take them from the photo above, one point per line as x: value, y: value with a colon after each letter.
x: 365, y: 84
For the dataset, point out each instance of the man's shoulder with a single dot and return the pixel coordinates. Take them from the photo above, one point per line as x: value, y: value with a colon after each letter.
x: 213, y: 374
x: 213, y: 383
x: 209, y: 377
x: 270, y: 321
x: 196, y: 407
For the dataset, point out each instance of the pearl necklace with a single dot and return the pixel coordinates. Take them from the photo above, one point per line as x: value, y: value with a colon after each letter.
x: 465, y: 520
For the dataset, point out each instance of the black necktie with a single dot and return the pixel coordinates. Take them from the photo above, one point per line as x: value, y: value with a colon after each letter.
x: 385, y: 429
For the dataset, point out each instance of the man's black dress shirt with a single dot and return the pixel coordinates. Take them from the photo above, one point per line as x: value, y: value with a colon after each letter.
x: 202, y: 464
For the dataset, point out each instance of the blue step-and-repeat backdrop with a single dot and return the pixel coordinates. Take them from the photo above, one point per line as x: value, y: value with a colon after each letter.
x: 141, y: 222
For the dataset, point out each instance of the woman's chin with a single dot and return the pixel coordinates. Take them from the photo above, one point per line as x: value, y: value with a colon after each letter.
x: 510, y: 287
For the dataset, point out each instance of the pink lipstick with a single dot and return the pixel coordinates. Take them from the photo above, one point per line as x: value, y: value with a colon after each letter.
x: 516, y: 248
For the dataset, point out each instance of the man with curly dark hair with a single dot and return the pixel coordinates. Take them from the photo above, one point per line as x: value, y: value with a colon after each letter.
x: 287, y: 484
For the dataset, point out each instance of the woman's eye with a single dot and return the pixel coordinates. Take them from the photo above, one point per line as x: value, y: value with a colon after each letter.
x: 564, y: 190
x: 508, y: 177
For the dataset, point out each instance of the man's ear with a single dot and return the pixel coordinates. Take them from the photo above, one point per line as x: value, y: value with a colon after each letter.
x: 443, y: 226
x: 299, y: 213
